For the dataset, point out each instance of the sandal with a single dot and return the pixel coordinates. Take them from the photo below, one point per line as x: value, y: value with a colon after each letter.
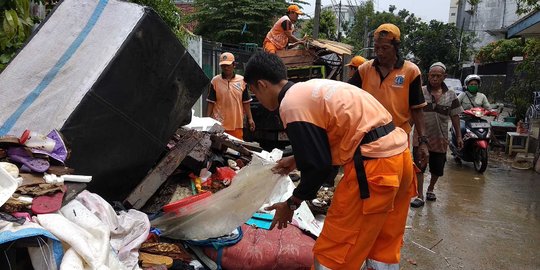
x: 430, y: 196
x: 417, y: 203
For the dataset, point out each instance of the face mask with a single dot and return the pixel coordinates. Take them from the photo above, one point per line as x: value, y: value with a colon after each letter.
x: 473, y: 89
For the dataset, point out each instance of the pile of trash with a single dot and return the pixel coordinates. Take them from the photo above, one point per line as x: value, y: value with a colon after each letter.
x: 33, y: 173
x: 213, y: 198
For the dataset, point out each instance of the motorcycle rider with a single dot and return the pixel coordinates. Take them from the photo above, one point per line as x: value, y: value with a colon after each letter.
x: 471, y: 98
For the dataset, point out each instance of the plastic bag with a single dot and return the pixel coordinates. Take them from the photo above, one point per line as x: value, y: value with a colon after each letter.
x: 227, y: 209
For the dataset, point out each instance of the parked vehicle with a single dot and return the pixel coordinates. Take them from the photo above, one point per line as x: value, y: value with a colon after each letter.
x: 476, y: 133
x: 454, y: 84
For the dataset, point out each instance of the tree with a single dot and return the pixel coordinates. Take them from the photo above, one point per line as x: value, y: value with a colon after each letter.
x: 355, y: 35
x: 424, y: 42
x: 438, y: 42
x: 237, y: 21
x: 501, y: 50
x: 367, y: 20
x: 527, y: 79
x: 327, y: 25
x: 526, y: 6
x: 17, y: 24
x: 170, y: 14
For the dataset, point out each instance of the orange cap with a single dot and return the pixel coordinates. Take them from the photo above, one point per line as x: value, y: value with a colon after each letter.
x: 388, y: 31
x: 226, y: 58
x: 295, y: 9
x: 356, y: 61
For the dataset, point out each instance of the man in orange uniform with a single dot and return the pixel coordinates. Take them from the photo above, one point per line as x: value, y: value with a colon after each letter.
x: 331, y: 123
x: 282, y: 32
x: 396, y: 83
x: 354, y: 64
x: 228, y: 98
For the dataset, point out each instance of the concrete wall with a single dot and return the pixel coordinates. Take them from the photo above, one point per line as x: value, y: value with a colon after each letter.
x: 452, y: 13
x: 488, y: 19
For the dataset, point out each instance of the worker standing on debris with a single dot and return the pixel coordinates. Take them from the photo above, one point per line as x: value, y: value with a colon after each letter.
x: 396, y: 83
x: 331, y: 123
x: 228, y: 98
x: 354, y: 64
x: 282, y: 32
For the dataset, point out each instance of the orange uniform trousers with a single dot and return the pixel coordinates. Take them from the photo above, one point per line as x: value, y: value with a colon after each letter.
x: 354, y: 229
x: 237, y: 133
x: 269, y: 47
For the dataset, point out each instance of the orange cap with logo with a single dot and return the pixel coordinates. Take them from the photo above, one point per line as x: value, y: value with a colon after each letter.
x: 356, y: 61
x: 295, y: 9
x: 226, y: 58
x: 388, y: 31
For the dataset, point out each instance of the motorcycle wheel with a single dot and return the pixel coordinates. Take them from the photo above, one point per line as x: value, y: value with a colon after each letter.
x: 480, y: 159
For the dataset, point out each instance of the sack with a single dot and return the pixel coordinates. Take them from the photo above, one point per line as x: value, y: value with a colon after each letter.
x: 227, y: 209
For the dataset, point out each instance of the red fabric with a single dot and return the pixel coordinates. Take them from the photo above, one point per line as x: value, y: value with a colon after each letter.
x: 288, y: 248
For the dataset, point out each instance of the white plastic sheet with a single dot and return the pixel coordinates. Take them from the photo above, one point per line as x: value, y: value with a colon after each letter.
x: 227, y: 209
x: 96, y: 237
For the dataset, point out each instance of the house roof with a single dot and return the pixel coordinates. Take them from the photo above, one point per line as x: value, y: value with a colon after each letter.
x: 526, y: 26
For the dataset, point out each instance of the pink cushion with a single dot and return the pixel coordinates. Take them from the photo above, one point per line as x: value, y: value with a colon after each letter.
x: 288, y: 248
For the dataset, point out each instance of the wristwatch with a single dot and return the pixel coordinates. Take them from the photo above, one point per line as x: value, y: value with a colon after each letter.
x: 423, y: 139
x: 292, y: 205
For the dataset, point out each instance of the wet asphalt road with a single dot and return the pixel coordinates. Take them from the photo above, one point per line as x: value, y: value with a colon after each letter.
x: 485, y: 221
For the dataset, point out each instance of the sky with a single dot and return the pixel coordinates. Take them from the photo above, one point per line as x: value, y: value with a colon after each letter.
x: 427, y: 10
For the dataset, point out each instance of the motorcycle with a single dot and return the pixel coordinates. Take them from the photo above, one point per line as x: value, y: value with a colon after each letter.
x: 476, y: 133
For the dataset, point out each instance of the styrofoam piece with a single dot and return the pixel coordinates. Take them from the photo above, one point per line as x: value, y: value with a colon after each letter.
x: 202, y: 123
x: 77, y: 178
x: 53, y: 179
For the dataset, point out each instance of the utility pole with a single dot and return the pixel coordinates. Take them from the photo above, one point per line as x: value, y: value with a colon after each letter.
x: 339, y: 23
x: 317, y: 19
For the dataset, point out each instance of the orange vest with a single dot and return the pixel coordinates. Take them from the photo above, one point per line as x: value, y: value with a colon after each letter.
x: 277, y: 35
x: 228, y: 106
x: 393, y: 91
x: 347, y: 113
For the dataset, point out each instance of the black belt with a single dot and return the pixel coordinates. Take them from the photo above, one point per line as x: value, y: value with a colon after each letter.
x: 371, y: 136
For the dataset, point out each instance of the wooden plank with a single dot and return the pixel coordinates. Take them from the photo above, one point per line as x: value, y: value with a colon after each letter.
x: 151, y: 183
x: 337, y: 47
x: 290, y: 53
x: 306, y: 61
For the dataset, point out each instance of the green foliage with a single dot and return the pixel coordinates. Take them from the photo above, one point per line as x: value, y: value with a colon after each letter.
x: 437, y: 41
x: 327, y: 25
x: 501, y: 50
x: 355, y: 35
x: 240, y: 21
x: 16, y: 28
x: 474, y: 2
x: 527, y: 79
x: 172, y: 16
x: 427, y: 43
x: 526, y: 6
x: 367, y: 20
